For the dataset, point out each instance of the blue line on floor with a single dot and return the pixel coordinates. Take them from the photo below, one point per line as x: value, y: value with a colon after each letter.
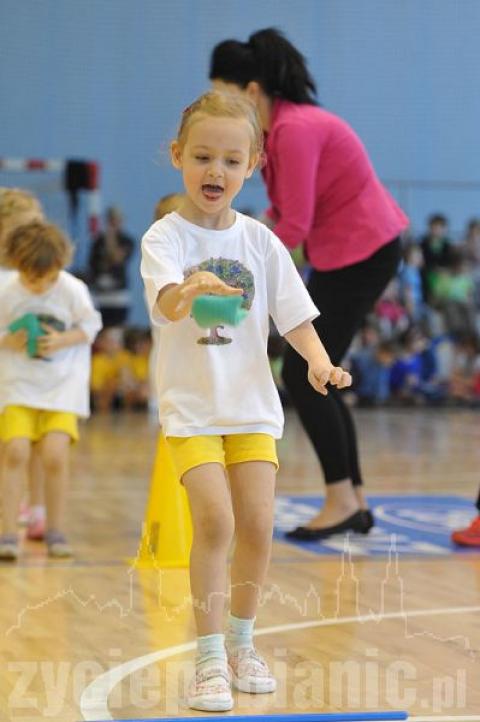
x: 335, y: 717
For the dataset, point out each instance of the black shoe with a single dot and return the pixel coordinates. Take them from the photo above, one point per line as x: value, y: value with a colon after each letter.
x: 359, y: 522
x: 369, y: 520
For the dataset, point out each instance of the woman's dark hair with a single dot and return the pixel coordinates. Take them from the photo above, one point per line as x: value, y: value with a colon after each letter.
x: 269, y: 59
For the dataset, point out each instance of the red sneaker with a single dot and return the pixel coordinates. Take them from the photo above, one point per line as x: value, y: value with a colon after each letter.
x: 469, y: 537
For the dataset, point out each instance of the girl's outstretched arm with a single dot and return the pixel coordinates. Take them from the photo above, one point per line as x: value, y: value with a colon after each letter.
x: 305, y: 340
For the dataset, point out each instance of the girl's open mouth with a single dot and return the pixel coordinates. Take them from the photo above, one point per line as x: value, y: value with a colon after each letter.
x: 212, y: 192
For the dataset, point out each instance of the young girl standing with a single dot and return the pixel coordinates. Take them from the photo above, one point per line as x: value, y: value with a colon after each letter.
x: 42, y: 392
x: 18, y: 207
x: 218, y: 404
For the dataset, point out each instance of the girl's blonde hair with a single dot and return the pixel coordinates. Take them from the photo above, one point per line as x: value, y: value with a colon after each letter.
x: 223, y: 105
x: 17, y: 207
x: 36, y: 248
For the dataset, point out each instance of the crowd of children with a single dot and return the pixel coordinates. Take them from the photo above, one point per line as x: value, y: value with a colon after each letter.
x: 420, y: 346
x: 120, y: 370
x: 421, y: 343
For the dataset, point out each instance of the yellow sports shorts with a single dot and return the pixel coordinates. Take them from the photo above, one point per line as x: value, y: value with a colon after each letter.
x: 27, y: 423
x: 190, y: 451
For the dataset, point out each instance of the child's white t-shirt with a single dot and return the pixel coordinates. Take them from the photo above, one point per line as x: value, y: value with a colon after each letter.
x: 62, y: 382
x: 5, y: 276
x: 218, y: 387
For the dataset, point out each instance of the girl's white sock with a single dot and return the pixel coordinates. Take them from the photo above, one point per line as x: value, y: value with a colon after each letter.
x: 211, y: 647
x: 239, y: 632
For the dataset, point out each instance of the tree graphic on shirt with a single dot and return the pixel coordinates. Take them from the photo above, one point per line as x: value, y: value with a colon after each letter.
x: 233, y: 273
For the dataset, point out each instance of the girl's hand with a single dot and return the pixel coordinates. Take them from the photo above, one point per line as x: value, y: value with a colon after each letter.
x: 321, y: 374
x: 200, y: 283
x: 16, y: 341
x: 51, y: 342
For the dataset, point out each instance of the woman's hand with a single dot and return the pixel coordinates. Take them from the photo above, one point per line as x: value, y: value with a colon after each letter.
x: 200, y: 283
x: 321, y: 373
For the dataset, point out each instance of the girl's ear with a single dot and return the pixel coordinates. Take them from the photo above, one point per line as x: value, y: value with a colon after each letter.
x: 176, y: 154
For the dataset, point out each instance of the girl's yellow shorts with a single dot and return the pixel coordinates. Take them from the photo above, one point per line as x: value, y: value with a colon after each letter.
x: 190, y: 451
x: 27, y: 423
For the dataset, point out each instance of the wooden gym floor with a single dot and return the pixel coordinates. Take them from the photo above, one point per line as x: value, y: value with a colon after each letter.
x: 350, y: 634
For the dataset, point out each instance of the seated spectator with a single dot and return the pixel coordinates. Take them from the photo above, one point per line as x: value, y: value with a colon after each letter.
x: 436, y: 249
x: 107, y: 270
x: 414, y: 375
x: 370, y: 369
x: 410, y: 282
x: 444, y: 348
x: 465, y: 376
x: 368, y: 337
x: 452, y: 293
x: 390, y: 313
x: 134, y: 386
x: 104, y: 379
x: 471, y: 250
x: 471, y: 242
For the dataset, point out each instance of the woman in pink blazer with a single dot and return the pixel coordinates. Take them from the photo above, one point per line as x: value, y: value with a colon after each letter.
x: 325, y: 196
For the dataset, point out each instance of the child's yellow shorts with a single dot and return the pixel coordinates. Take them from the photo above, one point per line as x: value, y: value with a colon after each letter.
x: 27, y: 423
x: 190, y: 451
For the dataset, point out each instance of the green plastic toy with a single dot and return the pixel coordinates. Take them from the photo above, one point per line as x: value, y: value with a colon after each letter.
x: 209, y: 311
x: 31, y: 323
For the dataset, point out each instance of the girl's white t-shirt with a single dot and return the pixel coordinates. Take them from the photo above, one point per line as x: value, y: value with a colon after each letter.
x: 219, y: 381
x: 60, y: 383
x: 5, y: 276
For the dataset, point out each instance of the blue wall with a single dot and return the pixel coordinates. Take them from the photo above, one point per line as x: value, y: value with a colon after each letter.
x: 106, y: 79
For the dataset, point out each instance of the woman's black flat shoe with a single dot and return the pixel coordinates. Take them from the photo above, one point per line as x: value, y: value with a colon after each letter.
x: 369, y: 520
x: 360, y: 522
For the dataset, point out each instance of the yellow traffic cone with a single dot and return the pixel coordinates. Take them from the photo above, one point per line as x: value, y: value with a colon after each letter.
x: 167, y: 530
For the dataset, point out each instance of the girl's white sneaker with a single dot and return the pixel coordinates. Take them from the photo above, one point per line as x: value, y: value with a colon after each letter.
x: 210, y: 689
x: 250, y: 672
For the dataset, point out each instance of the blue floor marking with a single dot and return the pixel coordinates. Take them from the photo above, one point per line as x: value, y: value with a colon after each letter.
x: 335, y: 717
x: 410, y: 524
